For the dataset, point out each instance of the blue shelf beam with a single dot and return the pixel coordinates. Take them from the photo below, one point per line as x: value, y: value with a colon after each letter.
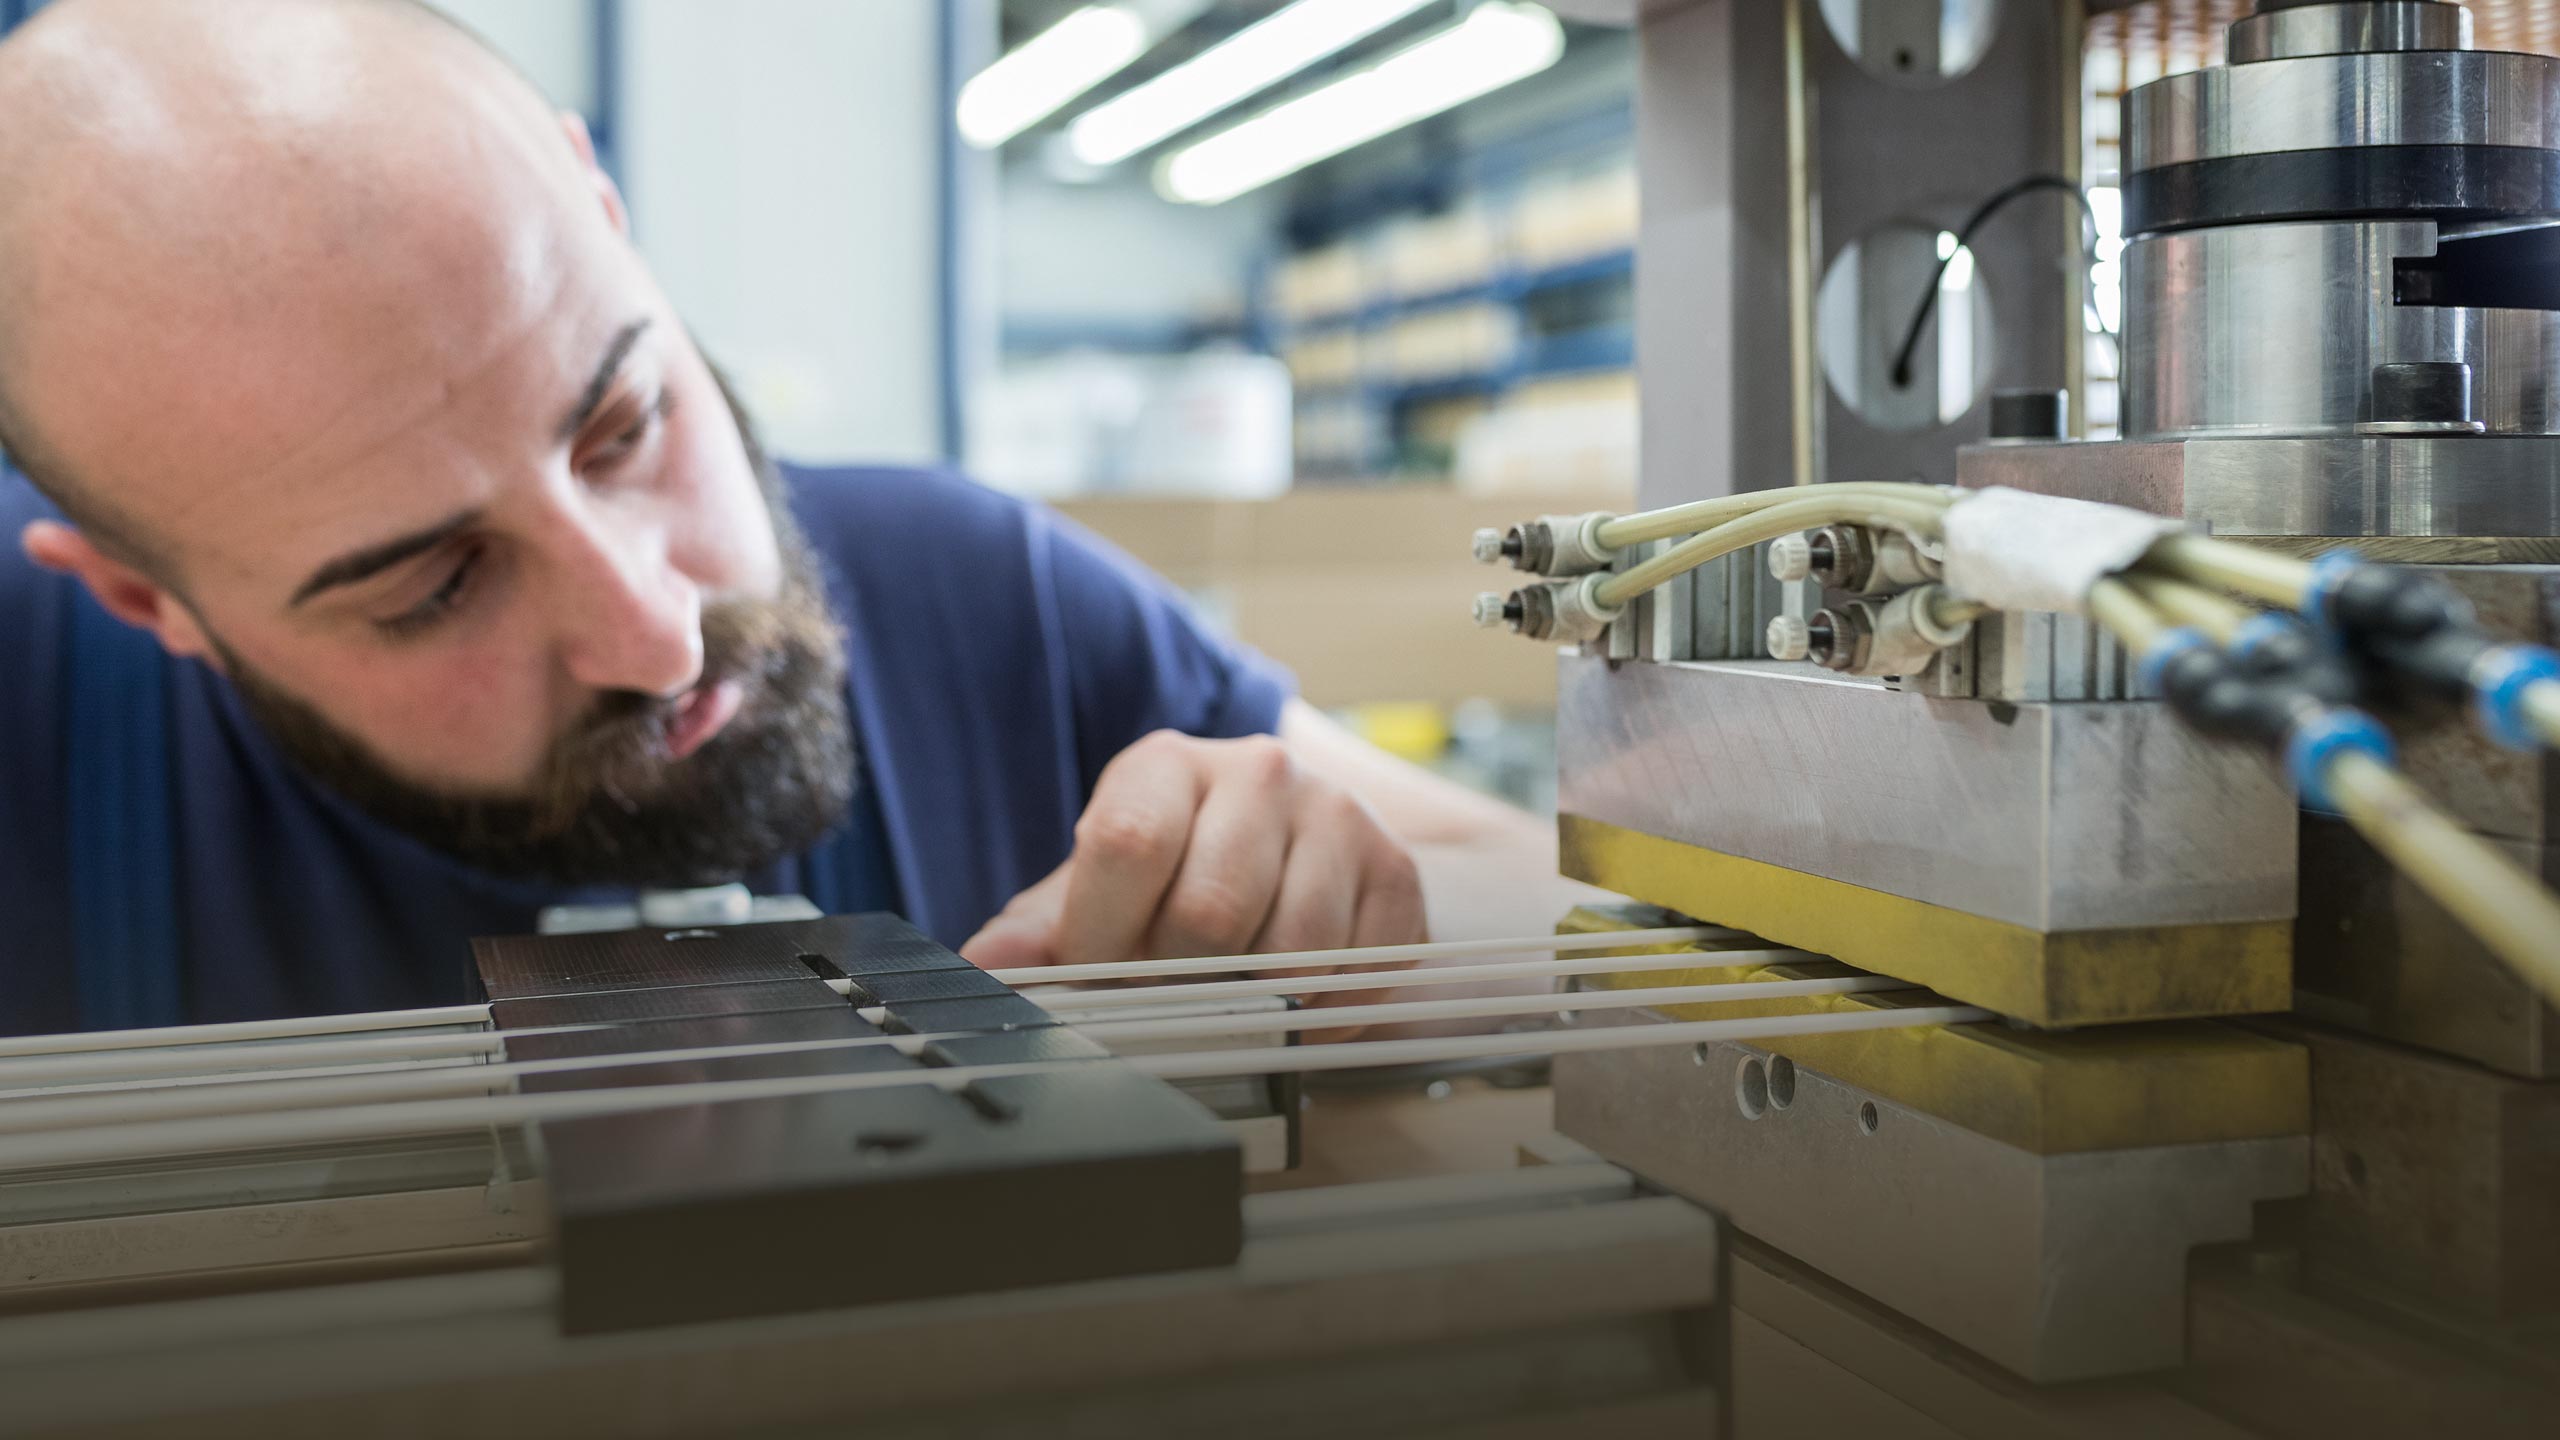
x: 1510, y: 287
x: 1593, y: 349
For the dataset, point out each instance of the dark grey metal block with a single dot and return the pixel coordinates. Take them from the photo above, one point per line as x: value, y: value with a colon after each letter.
x: 1047, y: 1044
x: 977, y: 1012
x: 622, y: 1007
x: 705, y: 1211
x: 766, y: 1028
x: 918, y: 986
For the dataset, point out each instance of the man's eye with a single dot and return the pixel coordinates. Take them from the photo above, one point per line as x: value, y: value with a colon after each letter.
x: 630, y: 438
x: 423, y: 616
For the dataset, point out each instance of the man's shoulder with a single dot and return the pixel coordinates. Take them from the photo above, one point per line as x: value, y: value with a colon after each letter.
x: 892, y: 512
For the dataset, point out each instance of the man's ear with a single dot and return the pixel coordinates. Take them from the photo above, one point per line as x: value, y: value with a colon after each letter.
x: 607, y: 192
x: 127, y: 593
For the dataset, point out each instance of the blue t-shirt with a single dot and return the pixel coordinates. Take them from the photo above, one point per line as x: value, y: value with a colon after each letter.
x: 161, y: 862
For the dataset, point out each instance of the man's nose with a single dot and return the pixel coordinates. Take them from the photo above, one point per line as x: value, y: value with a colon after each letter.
x: 630, y: 620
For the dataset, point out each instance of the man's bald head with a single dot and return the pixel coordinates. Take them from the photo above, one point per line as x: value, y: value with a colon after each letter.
x: 163, y: 161
x: 320, y: 306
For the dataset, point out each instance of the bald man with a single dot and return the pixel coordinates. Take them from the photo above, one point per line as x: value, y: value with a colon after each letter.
x: 452, y: 584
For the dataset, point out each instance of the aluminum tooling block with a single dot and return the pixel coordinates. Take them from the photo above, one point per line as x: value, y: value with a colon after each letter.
x: 2376, y: 954
x: 2052, y: 817
x: 2453, y: 487
x: 2065, y: 1266
x: 745, y: 1207
x: 2432, y: 1180
x: 2063, y: 864
x: 2101, y: 1087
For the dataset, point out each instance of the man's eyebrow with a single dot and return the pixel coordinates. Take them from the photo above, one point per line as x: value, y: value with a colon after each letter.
x: 374, y: 559
x: 614, y: 354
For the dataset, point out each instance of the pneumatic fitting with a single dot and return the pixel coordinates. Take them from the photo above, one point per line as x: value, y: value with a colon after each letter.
x: 1854, y: 559
x: 2422, y: 638
x: 2296, y: 702
x: 1560, y: 546
x: 1566, y: 611
x: 1867, y: 637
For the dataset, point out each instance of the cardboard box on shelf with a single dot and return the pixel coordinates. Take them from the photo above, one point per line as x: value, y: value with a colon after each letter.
x: 1362, y: 592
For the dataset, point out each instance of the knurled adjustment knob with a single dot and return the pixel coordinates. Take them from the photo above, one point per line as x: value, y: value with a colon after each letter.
x: 1791, y: 557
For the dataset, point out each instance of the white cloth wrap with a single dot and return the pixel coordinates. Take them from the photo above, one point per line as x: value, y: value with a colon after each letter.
x: 2018, y: 551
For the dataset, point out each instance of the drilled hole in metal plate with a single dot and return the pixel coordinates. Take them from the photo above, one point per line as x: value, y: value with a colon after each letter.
x: 1782, y: 1081
x: 1867, y: 1118
x: 1699, y: 1055
x: 886, y: 1144
x: 1751, y: 1088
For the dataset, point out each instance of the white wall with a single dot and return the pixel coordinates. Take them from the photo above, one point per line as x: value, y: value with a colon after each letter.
x: 553, y: 40
x: 782, y: 159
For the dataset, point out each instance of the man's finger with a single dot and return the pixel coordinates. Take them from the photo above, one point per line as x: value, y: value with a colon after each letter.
x: 1024, y: 933
x: 1389, y: 912
x: 1319, y: 882
x: 1230, y: 872
x: 1128, y: 848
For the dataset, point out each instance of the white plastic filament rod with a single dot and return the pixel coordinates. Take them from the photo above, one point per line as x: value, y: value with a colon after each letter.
x: 230, y: 1077
x: 1073, y: 1002
x: 214, y: 1060
x: 306, y: 1026
x: 1476, y: 1007
x: 260, y: 1062
x: 126, y: 1144
x: 233, y: 1032
x: 1363, y: 955
x: 260, y: 1096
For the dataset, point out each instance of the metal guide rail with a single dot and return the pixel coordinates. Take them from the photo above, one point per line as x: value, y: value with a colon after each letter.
x: 672, y: 1169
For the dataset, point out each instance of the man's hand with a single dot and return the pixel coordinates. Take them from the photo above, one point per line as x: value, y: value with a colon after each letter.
x: 1212, y: 847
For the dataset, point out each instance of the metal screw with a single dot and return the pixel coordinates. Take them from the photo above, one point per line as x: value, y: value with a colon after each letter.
x: 1834, y: 637
x: 1791, y: 557
x: 1789, y: 639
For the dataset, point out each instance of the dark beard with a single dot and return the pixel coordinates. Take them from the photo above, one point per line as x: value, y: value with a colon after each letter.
x: 608, y: 807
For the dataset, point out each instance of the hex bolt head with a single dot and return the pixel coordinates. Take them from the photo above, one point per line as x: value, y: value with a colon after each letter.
x: 1488, y: 546
x: 1789, y: 639
x: 1791, y: 557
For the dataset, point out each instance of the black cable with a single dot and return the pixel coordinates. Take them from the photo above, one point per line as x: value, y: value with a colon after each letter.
x: 1964, y: 238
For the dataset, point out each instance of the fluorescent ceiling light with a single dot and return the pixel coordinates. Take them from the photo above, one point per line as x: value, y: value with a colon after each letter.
x: 1046, y: 71
x: 1497, y: 43
x: 1245, y: 64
